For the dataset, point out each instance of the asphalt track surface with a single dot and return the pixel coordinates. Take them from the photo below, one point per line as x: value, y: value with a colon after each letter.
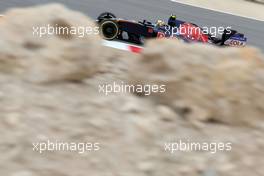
x: 156, y: 9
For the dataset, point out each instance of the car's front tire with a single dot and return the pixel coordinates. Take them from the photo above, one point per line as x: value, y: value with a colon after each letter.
x: 109, y: 30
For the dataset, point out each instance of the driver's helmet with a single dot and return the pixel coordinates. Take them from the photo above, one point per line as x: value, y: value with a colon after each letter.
x: 160, y: 23
x: 173, y: 17
x: 172, y: 20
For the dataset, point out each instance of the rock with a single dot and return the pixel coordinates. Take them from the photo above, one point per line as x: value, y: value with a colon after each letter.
x: 12, y: 119
x: 166, y: 113
x: 57, y: 56
x: 204, y: 84
x: 220, y: 85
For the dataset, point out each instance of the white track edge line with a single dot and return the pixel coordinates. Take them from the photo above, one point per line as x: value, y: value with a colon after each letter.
x: 229, y: 13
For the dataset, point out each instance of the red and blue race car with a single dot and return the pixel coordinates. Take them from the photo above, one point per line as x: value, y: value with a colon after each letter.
x: 113, y: 28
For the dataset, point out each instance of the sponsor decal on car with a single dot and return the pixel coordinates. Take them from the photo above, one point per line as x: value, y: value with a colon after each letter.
x: 236, y: 41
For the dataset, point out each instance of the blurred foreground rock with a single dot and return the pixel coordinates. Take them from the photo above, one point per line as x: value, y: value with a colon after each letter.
x: 223, y: 87
x: 49, y: 57
x: 206, y: 83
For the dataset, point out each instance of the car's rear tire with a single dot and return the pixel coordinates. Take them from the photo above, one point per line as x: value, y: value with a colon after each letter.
x: 106, y: 15
x: 109, y: 30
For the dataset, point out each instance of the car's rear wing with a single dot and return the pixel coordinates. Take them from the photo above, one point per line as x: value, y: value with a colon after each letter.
x: 233, y: 38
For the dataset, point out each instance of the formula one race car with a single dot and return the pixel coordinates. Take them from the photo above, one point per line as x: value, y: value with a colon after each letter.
x: 113, y: 28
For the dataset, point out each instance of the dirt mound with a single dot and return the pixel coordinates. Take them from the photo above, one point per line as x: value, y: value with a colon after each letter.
x: 210, y: 84
x: 214, y: 88
x: 39, y: 44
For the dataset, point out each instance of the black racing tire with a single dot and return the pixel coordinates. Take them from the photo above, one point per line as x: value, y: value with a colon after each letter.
x: 106, y: 15
x: 109, y: 29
